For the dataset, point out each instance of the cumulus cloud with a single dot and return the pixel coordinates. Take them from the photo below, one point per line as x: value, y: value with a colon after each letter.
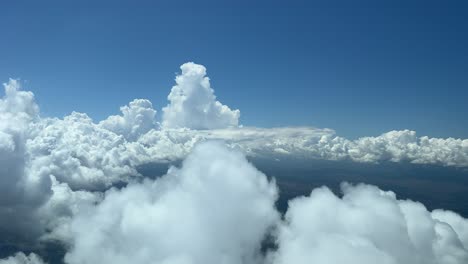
x: 55, y: 176
x: 217, y: 208
x: 193, y: 103
x: 80, y: 153
x: 138, y: 117
x: 56, y: 214
x: 21, y: 193
x: 367, y: 225
x: 458, y: 223
x: 21, y: 258
x: 17, y: 102
x: 313, y: 143
x: 406, y: 146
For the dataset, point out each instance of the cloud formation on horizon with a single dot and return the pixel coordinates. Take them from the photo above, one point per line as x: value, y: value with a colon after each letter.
x: 57, y: 177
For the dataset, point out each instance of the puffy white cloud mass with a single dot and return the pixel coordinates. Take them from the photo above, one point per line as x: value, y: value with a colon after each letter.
x: 368, y: 225
x: 21, y: 258
x: 193, y: 103
x: 137, y: 118
x: 406, y: 146
x: 81, y: 153
x: 21, y: 192
x: 217, y: 208
x: 55, y: 176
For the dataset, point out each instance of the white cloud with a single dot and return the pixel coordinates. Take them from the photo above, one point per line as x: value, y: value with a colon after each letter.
x: 366, y: 225
x: 56, y: 214
x: 193, y: 103
x: 458, y: 223
x: 21, y: 258
x: 80, y: 153
x: 17, y: 102
x: 54, y: 169
x: 21, y: 193
x: 313, y: 143
x: 406, y: 146
x: 137, y: 118
x: 216, y: 208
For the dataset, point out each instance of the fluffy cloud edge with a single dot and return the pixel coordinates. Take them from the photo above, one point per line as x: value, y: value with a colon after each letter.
x: 21, y: 258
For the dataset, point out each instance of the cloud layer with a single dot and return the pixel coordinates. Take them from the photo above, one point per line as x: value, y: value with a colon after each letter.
x: 312, y: 143
x: 58, y: 179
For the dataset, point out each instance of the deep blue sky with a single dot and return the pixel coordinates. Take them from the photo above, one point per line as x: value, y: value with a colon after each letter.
x: 359, y: 67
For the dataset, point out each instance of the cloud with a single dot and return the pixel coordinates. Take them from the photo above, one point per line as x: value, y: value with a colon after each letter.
x: 193, y: 103
x: 406, y: 146
x: 217, y: 208
x: 17, y: 102
x: 137, y: 118
x: 458, y: 223
x: 313, y: 143
x: 367, y: 225
x: 57, y: 213
x: 21, y: 193
x: 80, y: 153
x: 21, y: 258
x: 55, y: 170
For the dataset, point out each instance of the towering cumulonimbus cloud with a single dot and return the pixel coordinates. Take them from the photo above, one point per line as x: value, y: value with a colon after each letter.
x: 217, y: 208
x: 193, y: 103
x: 368, y: 225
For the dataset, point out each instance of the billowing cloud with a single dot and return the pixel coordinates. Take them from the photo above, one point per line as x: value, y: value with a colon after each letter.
x: 406, y: 146
x: 21, y: 258
x: 80, y: 153
x: 193, y: 103
x: 56, y: 214
x: 217, y: 208
x: 368, y: 225
x: 458, y: 223
x: 137, y: 118
x: 21, y: 192
x: 18, y: 103
x: 55, y: 176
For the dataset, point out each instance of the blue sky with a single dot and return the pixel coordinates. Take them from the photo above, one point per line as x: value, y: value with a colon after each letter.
x: 361, y: 68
